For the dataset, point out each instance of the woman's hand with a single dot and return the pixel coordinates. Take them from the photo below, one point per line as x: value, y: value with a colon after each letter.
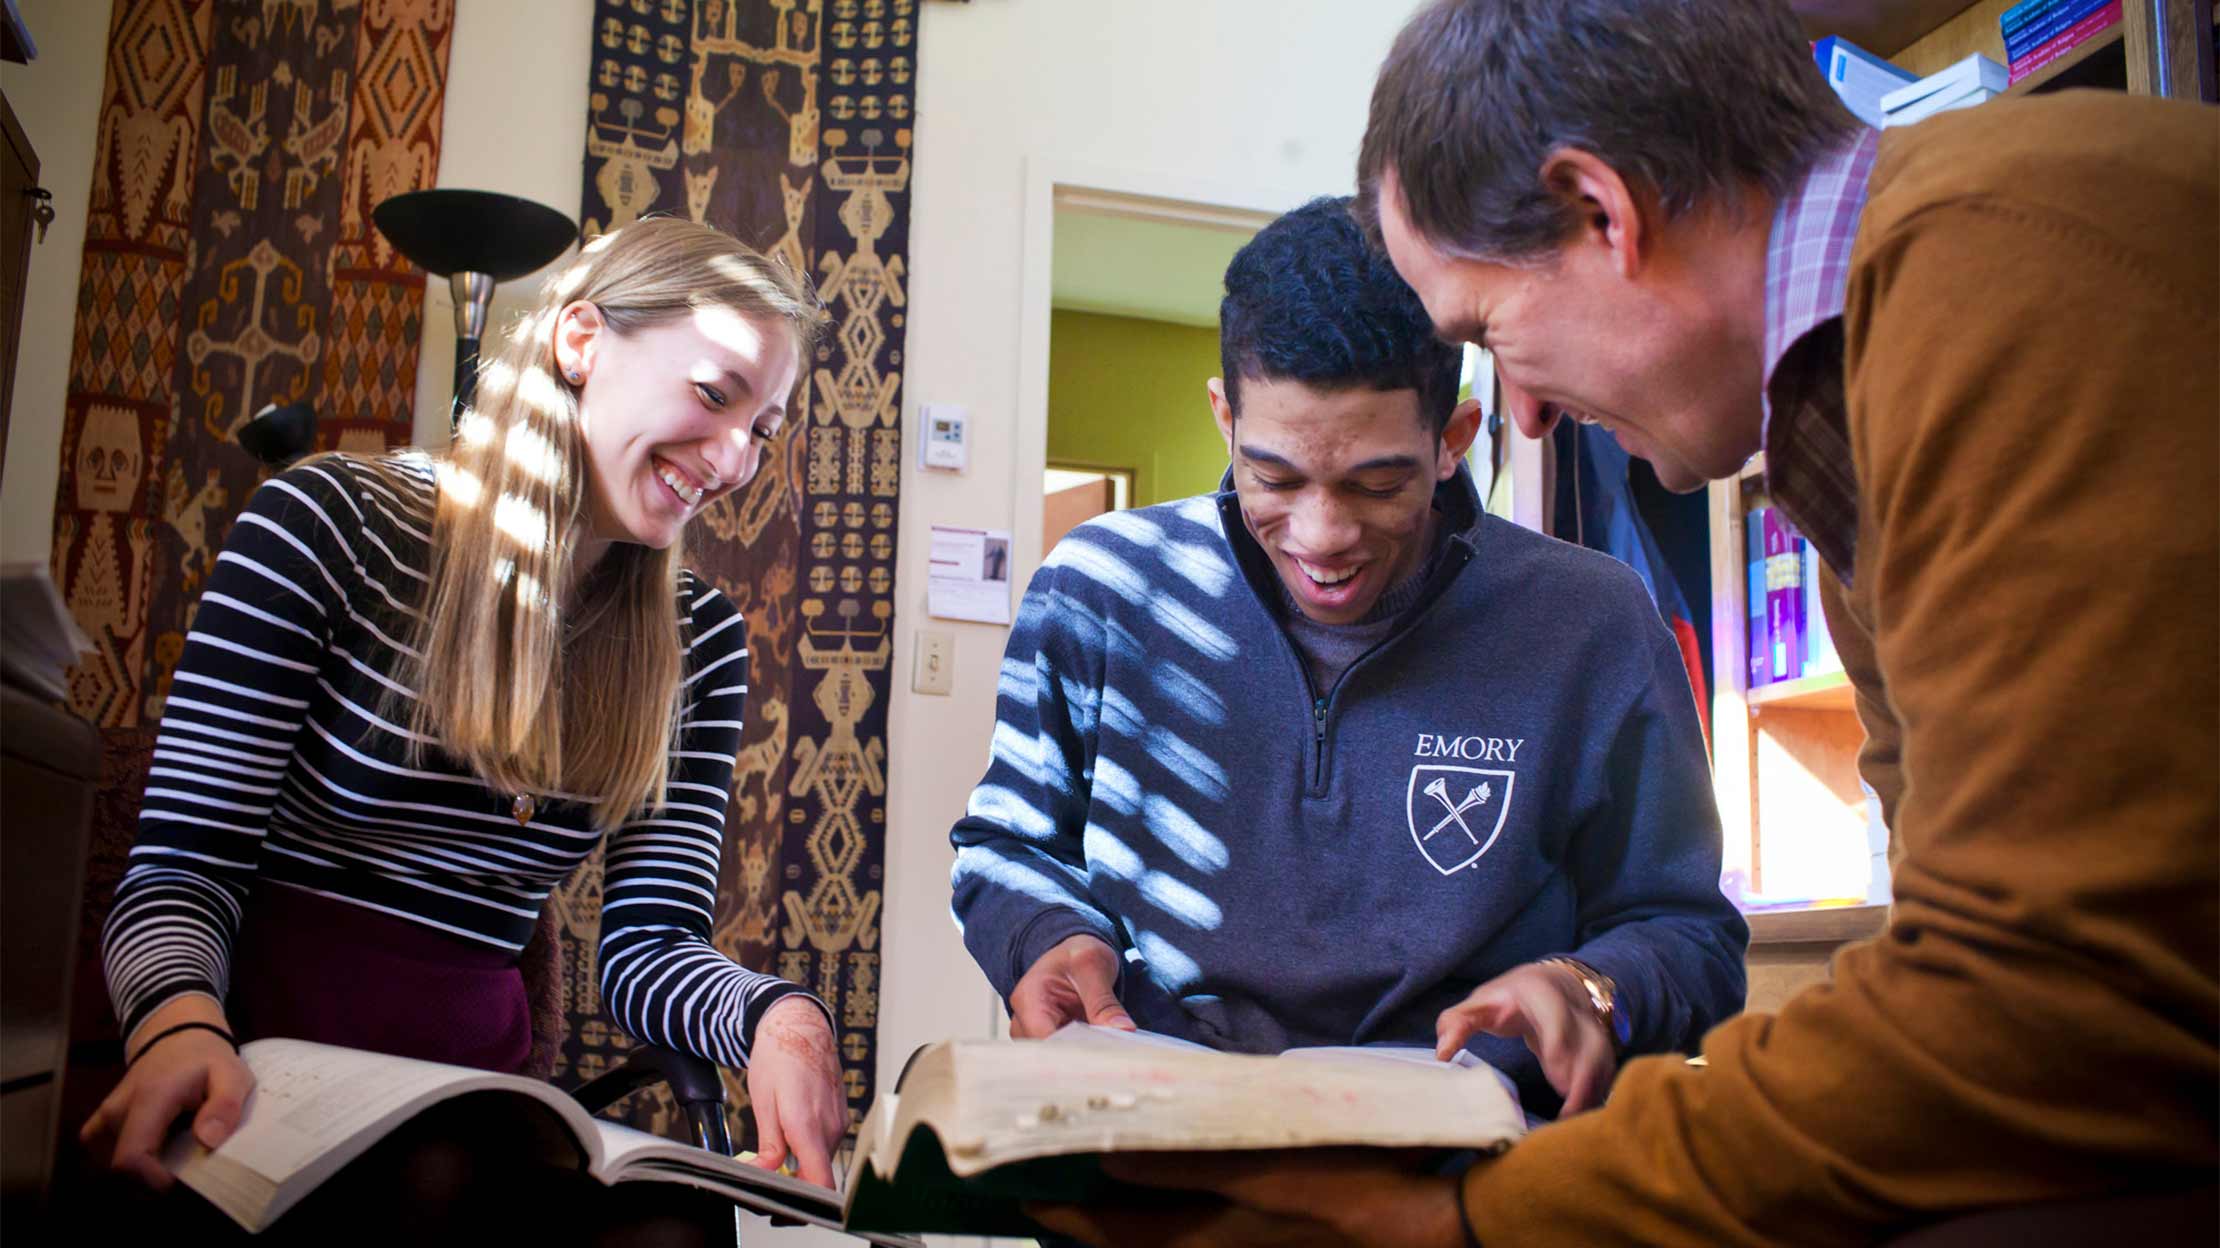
x: 193, y: 1071
x: 794, y: 1083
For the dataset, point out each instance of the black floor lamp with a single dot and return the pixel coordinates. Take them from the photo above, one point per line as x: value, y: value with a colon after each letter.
x: 474, y: 239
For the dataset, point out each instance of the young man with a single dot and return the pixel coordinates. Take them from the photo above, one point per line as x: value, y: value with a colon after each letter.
x: 1323, y: 756
x: 1977, y: 353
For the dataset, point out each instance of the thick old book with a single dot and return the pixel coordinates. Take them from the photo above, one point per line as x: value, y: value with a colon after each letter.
x: 978, y: 1128
x: 316, y: 1107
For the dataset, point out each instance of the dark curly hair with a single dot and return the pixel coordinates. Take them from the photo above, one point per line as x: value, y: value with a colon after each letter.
x: 1308, y: 300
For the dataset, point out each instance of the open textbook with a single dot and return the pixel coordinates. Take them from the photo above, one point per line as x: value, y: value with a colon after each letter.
x: 317, y: 1107
x: 977, y: 1127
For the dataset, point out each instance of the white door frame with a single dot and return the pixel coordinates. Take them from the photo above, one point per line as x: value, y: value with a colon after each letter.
x: 1052, y: 182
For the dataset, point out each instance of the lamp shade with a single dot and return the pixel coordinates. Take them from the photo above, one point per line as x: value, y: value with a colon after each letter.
x: 448, y: 231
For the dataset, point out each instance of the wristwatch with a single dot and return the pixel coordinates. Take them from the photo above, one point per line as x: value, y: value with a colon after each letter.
x: 1603, y: 998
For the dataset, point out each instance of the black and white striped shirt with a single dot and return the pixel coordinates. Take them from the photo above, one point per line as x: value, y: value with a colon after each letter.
x: 274, y: 763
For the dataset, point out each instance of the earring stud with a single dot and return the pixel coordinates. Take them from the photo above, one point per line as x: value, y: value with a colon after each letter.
x: 576, y: 377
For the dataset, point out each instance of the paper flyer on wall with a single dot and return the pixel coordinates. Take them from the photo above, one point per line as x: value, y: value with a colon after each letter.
x: 970, y: 577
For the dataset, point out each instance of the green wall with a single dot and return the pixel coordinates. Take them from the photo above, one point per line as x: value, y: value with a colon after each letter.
x: 1125, y: 393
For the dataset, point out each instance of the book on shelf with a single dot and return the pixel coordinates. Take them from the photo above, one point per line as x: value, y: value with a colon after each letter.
x: 976, y: 1128
x: 317, y: 1107
x: 2095, y: 25
x: 1781, y: 596
x: 1819, y: 643
x: 2045, y: 26
x: 1760, y: 643
x: 39, y: 639
x: 1858, y: 76
x: 1788, y: 635
x: 1974, y: 80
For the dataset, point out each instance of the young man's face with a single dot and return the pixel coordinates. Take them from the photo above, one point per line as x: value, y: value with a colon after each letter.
x: 1337, y: 486
x: 1631, y: 345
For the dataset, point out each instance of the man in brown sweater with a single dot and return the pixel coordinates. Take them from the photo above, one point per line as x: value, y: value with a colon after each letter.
x: 1979, y: 354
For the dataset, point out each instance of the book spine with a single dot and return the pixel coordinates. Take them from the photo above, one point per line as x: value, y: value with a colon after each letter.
x: 2073, y: 37
x: 1820, y: 641
x: 2048, y: 27
x: 1760, y: 644
x: 1801, y: 660
x: 2024, y: 12
x: 1779, y: 609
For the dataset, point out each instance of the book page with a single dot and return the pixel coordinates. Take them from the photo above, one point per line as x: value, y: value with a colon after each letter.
x: 631, y: 1155
x: 1094, y: 1091
x: 316, y: 1107
x: 627, y: 1151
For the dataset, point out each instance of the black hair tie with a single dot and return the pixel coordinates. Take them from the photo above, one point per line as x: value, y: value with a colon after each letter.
x: 167, y: 1032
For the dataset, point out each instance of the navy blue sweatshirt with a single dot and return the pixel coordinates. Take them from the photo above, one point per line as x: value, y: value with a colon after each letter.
x: 1517, y: 771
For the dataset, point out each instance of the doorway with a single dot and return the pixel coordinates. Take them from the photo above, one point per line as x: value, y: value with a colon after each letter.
x: 1133, y: 338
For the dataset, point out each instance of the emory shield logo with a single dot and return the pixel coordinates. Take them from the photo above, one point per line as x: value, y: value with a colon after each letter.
x: 1456, y: 813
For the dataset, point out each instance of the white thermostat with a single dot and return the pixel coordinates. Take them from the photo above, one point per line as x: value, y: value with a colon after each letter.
x: 947, y: 440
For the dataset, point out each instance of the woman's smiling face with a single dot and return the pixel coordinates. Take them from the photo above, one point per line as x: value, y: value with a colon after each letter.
x: 674, y: 415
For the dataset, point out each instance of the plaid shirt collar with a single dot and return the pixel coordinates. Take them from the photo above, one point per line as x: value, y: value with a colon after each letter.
x: 1808, y: 465
x: 1807, y: 261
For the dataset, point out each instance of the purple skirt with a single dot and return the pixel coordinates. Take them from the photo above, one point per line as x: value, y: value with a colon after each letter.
x: 313, y: 968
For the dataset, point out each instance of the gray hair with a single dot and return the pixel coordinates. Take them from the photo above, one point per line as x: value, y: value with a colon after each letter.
x: 1687, y: 101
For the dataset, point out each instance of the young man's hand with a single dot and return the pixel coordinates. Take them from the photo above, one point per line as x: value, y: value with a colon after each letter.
x: 1544, y: 1004
x: 1074, y: 982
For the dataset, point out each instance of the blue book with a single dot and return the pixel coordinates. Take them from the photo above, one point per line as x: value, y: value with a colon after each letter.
x: 1858, y: 76
x: 2047, y: 26
x: 2024, y: 12
x: 1819, y: 644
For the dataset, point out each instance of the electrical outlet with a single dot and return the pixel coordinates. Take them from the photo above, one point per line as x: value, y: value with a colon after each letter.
x: 935, y: 668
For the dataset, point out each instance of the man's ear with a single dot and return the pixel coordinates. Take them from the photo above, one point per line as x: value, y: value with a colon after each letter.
x: 578, y: 329
x: 1608, y: 212
x: 1222, y: 411
x: 1456, y: 438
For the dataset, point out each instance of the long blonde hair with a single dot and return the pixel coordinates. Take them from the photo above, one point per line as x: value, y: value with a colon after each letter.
x: 542, y: 683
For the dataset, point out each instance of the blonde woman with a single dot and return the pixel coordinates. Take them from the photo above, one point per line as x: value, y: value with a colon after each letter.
x: 419, y: 691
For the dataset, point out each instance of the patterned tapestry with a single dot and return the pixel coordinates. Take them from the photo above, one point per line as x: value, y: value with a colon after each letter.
x: 229, y: 264
x: 786, y: 123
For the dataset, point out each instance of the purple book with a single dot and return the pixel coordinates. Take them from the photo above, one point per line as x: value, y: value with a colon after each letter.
x: 1782, y: 593
x: 1759, y: 642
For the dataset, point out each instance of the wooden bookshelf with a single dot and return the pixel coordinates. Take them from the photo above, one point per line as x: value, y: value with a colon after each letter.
x: 2153, y: 43
x: 1829, y: 691
x: 1785, y: 754
x: 1821, y: 924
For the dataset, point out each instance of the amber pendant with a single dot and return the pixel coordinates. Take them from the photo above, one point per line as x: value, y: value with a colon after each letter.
x: 523, y: 808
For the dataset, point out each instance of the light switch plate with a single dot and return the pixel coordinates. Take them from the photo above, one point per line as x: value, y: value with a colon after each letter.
x: 935, y: 668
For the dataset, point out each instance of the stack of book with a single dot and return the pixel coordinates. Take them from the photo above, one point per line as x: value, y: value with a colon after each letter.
x: 1788, y: 631
x: 1974, y: 80
x: 2037, y: 32
x: 1859, y: 77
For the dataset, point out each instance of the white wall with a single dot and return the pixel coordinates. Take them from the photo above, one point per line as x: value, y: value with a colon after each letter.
x: 57, y: 100
x: 516, y: 123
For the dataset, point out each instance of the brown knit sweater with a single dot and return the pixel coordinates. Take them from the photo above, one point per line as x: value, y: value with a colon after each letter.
x: 2030, y: 369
